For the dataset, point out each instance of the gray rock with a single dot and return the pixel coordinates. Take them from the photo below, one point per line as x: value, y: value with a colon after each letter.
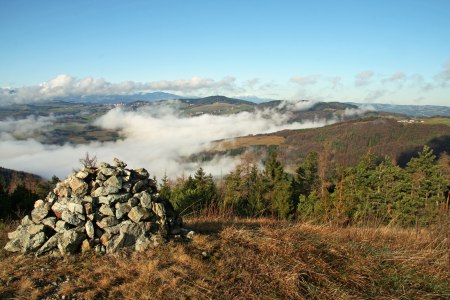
x: 49, y: 222
x: 118, y: 163
x: 75, y: 208
x: 107, y: 222
x: 73, y: 218
x: 13, y: 245
x: 159, y: 210
x: 143, y: 243
x: 138, y: 214
x: 133, y: 202
x: 70, y: 241
x: 82, y: 174
x: 115, y: 243
x: 107, y: 171
x: 139, y: 186
x: 88, y: 208
x: 88, y: 199
x: 146, y: 199
x: 111, y: 199
x: 39, y: 213
x: 26, y: 221
x: 51, y: 244
x: 131, y: 232
x: 51, y: 197
x: 39, y: 203
x: 62, y: 189
x: 126, y: 186
x: 114, y: 182
x: 106, y: 210
x: 78, y: 186
x: 58, y: 208
x: 142, y: 173
x: 113, y: 230
x: 122, y: 209
x: 101, y: 177
x: 61, y: 226
x: 34, y: 229
x: 90, y: 230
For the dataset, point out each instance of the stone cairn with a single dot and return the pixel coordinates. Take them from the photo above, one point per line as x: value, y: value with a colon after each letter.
x: 103, y: 208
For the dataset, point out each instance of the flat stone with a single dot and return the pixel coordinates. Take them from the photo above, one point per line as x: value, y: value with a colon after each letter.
x: 72, y: 218
x: 82, y: 174
x: 51, y: 244
x: 61, y: 226
x: 106, y: 210
x: 159, y: 210
x: 58, y: 208
x: 111, y: 199
x: 70, y: 241
x: 62, y: 189
x: 75, y: 208
x: 107, y: 222
x: 50, y: 222
x: 78, y: 186
x: 139, y: 186
x: 26, y: 221
x: 118, y: 163
x: 146, y: 199
x: 107, y: 171
x: 114, y: 182
x: 143, y: 243
x: 39, y: 213
x: 34, y: 229
x: 138, y: 214
x: 142, y: 173
x: 115, y: 243
x: 122, y: 209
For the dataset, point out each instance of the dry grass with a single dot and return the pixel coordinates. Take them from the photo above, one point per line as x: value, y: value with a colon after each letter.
x: 246, y: 259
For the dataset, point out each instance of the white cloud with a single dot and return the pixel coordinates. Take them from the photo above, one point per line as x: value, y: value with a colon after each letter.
x: 157, y: 139
x: 364, y: 78
x: 66, y: 85
x: 305, y: 80
x: 395, y: 77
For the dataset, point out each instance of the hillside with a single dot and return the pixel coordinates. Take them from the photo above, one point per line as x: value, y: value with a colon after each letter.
x: 346, y: 142
x: 12, y: 179
x: 251, y: 259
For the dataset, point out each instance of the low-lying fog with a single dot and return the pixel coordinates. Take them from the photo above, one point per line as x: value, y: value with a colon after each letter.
x: 156, y: 138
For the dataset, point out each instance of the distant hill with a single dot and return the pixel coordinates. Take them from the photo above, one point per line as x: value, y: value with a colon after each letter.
x: 13, y: 179
x: 346, y: 142
x: 216, y: 99
x: 411, y: 110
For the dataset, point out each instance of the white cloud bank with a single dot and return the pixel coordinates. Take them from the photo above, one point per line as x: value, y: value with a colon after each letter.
x: 156, y: 141
x: 66, y: 85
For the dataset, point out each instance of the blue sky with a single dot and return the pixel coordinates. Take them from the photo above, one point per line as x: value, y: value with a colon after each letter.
x: 363, y: 51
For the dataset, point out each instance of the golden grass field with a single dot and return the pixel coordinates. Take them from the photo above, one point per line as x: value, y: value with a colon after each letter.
x: 248, y: 141
x: 245, y: 259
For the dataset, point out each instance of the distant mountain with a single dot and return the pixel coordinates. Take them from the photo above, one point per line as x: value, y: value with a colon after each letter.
x: 115, y: 99
x: 256, y: 99
x: 216, y: 99
x: 411, y: 110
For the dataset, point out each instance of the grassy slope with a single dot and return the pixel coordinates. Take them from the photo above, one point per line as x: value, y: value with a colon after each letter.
x: 246, y: 259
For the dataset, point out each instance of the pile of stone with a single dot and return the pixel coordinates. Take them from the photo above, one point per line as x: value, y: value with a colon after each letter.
x: 102, y: 208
